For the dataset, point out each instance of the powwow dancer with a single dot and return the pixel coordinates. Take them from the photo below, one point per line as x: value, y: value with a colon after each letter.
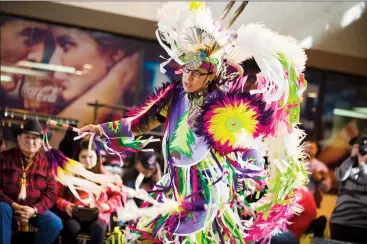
x: 237, y: 104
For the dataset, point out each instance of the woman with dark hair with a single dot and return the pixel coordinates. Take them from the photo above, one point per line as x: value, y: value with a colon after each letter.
x: 348, y: 221
x: 108, y: 202
x: 147, y: 164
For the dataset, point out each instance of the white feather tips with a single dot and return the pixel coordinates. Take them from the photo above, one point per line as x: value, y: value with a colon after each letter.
x: 255, y: 39
x: 258, y: 42
x: 176, y: 22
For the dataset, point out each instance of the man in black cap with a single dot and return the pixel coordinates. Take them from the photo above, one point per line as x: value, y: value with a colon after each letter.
x: 27, y: 186
x: 146, y: 164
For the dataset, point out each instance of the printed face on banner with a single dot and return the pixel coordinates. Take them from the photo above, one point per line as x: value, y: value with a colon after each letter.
x: 58, y: 70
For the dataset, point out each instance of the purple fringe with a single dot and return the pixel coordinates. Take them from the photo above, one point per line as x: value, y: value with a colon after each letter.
x: 217, y: 229
x: 158, y: 105
x: 56, y: 159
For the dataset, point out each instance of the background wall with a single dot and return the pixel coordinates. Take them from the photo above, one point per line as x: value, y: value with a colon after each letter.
x: 334, y: 32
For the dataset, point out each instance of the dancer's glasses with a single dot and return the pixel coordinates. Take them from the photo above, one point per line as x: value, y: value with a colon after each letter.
x: 195, y: 73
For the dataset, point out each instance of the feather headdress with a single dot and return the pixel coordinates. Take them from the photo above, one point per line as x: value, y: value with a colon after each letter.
x: 190, y: 36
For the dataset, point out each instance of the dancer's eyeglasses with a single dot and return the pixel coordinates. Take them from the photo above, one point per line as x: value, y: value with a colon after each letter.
x: 195, y: 73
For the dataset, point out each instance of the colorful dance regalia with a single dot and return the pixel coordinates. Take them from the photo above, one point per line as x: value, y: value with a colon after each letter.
x: 232, y: 150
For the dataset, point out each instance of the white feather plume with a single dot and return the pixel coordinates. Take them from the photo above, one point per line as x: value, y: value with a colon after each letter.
x: 283, y: 147
x: 175, y: 27
x: 258, y: 42
x: 74, y: 183
x: 176, y: 22
x: 255, y: 40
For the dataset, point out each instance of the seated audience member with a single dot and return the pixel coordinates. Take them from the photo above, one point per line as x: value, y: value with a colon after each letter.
x: 147, y: 165
x: 7, y: 140
x: 68, y: 144
x: 320, y: 180
x: 114, y: 167
x: 299, y: 223
x: 27, y: 186
x: 348, y: 221
x: 108, y: 202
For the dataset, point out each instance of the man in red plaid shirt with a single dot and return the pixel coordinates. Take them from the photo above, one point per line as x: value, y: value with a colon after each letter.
x: 27, y: 186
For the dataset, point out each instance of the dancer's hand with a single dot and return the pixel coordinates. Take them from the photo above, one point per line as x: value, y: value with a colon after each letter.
x: 91, y: 128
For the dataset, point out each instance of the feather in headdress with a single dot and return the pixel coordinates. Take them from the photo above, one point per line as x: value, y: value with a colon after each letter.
x: 258, y: 42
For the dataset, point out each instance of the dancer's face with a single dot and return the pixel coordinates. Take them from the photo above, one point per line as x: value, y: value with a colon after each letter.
x: 194, y: 80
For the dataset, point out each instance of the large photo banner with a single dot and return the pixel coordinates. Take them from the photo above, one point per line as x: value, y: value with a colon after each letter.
x: 58, y: 70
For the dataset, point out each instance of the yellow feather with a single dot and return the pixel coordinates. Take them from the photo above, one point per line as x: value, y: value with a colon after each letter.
x: 227, y: 121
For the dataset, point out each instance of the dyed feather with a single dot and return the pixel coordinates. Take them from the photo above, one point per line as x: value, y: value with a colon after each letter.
x: 152, y: 106
x: 63, y: 169
x: 177, y: 31
x: 226, y: 114
x: 74, y: 183
x: 287, y: 170
x: 258, y: 42
x: 277, y: 220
